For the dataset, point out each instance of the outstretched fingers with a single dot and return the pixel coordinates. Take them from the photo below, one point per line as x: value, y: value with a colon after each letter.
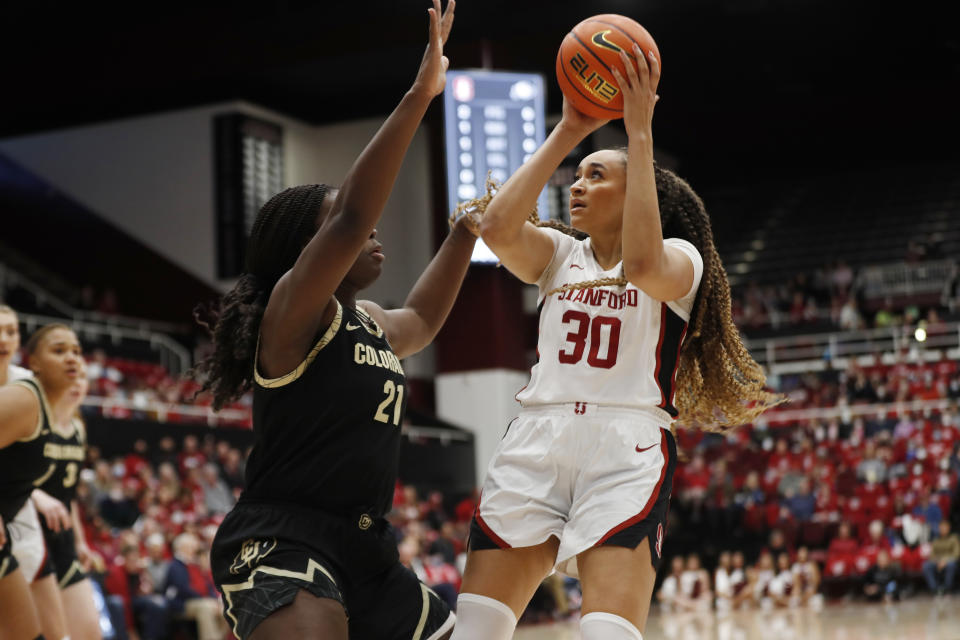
x: 446, y: 24
x: 434, y: 12
x: 642, y: 70
x: 654, y: 69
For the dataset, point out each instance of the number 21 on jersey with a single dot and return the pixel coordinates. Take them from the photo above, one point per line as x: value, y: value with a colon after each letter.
x: 602, y: 333
x: 395, y: 397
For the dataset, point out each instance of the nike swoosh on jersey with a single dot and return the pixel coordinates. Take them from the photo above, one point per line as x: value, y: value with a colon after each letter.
x: 577, y: 266
x: 352, y: 327
x: 639, y: 450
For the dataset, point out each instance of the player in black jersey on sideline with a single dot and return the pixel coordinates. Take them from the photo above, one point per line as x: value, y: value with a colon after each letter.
x: 26, y: 410
x: 307, y: 552
x: 55, y: 500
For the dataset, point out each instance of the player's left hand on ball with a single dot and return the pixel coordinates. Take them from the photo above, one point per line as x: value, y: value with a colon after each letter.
x: 638, y: 88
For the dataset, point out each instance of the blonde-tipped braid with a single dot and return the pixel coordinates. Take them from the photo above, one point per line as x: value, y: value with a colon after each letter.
x: 719, y: 384
x: 590, y: 284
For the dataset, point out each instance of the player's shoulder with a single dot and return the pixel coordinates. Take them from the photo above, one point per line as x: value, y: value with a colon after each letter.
x: 686, y: 246
x: 18, y: 373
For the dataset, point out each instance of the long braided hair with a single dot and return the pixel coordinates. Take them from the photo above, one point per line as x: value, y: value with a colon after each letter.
x: 719, y: 384
x: 283, y: 225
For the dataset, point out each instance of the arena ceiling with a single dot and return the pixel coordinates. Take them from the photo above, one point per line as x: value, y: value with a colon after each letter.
x: 748, y: 82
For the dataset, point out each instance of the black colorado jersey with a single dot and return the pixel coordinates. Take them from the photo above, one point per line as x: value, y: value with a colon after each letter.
x: 64, y: 452
x: 327, y: 434
x: 22, y: 463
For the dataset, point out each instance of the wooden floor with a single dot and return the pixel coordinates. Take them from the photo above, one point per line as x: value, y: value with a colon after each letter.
x: 920, y: 618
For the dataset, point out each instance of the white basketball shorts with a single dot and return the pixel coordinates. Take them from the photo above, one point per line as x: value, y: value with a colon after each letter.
x: 28, y: 546
x: 588, y: 474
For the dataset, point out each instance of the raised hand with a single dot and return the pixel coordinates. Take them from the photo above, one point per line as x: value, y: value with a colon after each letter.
x: 639, y: 90
x: 578, y: 121
x: 432, y: 76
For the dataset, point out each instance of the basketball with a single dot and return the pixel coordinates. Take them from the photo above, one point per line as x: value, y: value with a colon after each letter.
x: 587, y: 55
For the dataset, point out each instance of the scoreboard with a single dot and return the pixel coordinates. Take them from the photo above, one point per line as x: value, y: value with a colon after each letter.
x: 493, y: 122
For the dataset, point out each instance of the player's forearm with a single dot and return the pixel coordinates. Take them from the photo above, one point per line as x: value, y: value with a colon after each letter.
x: 436, y: 290
x: 80, y: 538
x: 368, y: 184
x: 642, y: 234
x: 517, y: 198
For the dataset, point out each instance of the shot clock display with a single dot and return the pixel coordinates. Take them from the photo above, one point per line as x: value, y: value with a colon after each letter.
x: 493, y: 121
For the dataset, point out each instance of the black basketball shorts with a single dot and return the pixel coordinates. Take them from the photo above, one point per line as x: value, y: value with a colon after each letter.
x: 61, y: 556
x: 263, y: 555
x: 8, y: 564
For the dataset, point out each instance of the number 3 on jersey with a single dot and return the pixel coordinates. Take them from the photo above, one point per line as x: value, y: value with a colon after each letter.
x: 393, y: 391
x: 598, y: 337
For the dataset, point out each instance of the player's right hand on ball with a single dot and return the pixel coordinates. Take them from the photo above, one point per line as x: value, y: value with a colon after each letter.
x: 433, y: 69
x: 578, y: 121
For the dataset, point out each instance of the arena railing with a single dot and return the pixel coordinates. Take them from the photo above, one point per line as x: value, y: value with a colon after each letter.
x: 846, y: 412
x: 172, y: 355
x: 810, y: 352
x: 163, y: 411
x: 11, y: 277
x: 903, y: 279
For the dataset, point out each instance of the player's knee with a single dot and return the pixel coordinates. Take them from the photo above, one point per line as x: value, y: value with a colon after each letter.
x: 483, y: 618
x: 607, y: 626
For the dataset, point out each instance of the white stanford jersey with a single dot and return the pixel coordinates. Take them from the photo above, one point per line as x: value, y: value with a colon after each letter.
x: 612, y: 345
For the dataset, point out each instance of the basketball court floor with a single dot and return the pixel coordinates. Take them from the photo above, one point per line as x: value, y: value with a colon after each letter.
x: 920, y: 618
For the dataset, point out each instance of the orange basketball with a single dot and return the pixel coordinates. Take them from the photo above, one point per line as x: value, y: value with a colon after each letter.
x: 588, y: 53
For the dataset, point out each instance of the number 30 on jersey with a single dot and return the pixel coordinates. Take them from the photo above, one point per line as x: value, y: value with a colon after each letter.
x: 603, y: 334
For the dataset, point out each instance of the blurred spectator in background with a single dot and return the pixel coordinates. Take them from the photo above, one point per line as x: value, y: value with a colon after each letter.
x: 146, y: 612
x: 670, y: 597
x: 782, y: 585
x: 738, y: 580
x: 189, y: 588
x: 191, y: 457
x: 216, y: 494
x: 119, y: 507
x: 882, y: 580
x: 803, y: 503
x: 695, y: 585
x: 850, y: 318
x: 806, y: 580
x: 941, y: 569
x: 723, y: 582
x: 765, y: 573
x: 928, y: 511
x: 871, y: 468
x: 157, y: 561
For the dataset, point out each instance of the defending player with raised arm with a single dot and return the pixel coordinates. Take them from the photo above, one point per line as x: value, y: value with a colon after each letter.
x: 307, y: 551
x: 635, y: 331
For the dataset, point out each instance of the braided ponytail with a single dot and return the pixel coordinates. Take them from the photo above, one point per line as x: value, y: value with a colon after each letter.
x: 285, y: 223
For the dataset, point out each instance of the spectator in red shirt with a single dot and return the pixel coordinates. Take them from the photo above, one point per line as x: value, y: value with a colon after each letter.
x: 145, y: 611
x: 843, y: 548
x: 781, y: 459
x: 466, y: 507
x: 191, y: 457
